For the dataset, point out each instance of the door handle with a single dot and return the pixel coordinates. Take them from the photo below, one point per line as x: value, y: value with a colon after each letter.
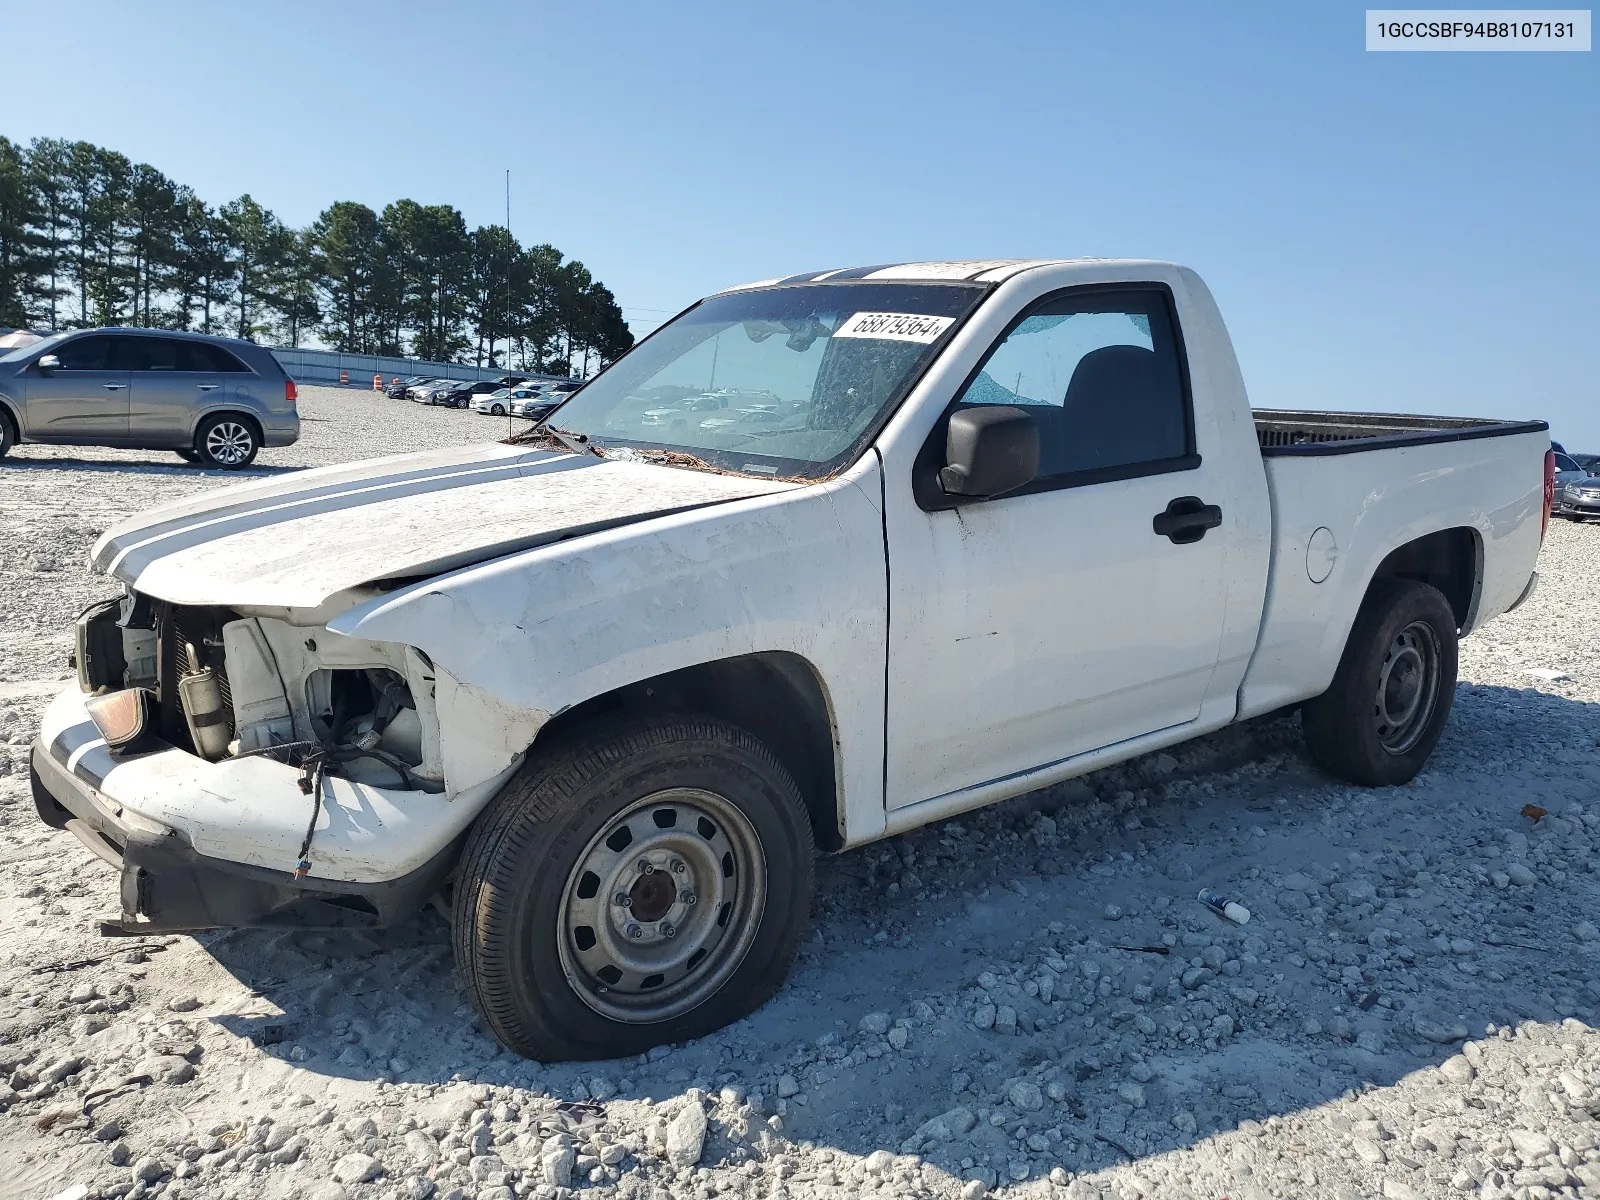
x: 1186, y: 520
x: 206, y: 387
x: 112, y: 387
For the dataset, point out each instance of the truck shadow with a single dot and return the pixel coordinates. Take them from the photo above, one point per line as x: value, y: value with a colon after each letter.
x: 1053, y: 973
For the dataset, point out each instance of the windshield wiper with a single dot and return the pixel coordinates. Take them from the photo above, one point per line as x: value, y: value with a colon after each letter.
x: 577, y: 443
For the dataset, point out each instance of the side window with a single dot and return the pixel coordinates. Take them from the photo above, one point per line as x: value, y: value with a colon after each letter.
x: 84, y: 354
x: 146, y: 353
x: 1100, y: 375
x: 199, y: 356
x: 1563, y: 463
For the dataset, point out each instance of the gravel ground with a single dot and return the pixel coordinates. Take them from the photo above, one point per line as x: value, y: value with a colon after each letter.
x: 1026, y: 1001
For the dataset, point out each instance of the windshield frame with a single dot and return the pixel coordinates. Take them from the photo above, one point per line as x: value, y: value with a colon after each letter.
x: 812, y: 472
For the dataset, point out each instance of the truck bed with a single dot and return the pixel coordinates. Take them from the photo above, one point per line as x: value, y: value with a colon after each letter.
x: 1288, y: 432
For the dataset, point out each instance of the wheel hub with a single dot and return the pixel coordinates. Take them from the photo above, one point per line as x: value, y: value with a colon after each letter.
x: 228, y: 442
x: 1408, y: 684
x: 662, y: 906
x: 651, y: 896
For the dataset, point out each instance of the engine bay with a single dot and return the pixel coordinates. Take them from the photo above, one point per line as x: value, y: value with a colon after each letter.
x: 224, y: 683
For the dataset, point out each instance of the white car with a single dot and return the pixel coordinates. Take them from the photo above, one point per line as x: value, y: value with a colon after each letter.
x: 748, y: 416
x: 501, y: 401
x: 1028, y: 527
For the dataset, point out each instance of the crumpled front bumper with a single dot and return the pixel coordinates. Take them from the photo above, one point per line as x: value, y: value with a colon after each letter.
x: 202, y: 844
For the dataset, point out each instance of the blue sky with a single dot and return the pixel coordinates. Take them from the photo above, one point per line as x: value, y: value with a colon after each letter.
x: 1383, y: 231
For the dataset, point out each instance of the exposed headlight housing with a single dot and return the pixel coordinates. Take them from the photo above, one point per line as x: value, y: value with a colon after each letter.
x: 123, y: 718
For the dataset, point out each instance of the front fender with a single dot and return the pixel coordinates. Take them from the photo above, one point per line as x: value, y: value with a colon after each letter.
x: 522, y: 638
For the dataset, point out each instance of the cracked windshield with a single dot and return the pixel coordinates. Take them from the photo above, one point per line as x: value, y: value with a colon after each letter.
x: 778, y: 381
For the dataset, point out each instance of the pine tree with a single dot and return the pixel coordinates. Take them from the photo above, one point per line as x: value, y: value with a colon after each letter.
x: 48, y: 163
x: 348, y: 239
x: 20, y: 263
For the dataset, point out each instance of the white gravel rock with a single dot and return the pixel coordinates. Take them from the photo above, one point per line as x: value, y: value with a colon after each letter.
x: 1025, y: 1096
x: 875, y: 1023
x: 357, y: 1168
x: 686, y: 1136
x: 1457, y: 1069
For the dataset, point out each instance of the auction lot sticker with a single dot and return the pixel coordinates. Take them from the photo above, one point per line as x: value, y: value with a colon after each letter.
x: 894, y: 327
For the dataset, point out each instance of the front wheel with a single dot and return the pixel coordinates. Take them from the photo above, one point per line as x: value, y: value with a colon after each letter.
x: 497, y: 410
x: 648, y: 884
x: 226, y: 441
x: 1381, y: 718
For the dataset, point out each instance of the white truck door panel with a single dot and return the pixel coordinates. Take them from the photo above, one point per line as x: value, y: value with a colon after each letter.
x: 1050, y: 625
x: 1034, y: 627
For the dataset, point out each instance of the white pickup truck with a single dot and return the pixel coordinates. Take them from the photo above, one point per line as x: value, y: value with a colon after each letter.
x: 991, y: 525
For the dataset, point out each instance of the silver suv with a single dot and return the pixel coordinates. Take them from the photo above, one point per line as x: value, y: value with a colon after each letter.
x: 215, y: 401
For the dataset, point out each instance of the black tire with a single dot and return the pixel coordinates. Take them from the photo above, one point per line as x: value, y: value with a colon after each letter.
x: 8, y: 435
x: 227, y: 441
x: 189, y: 455
x: 1381, y: 718
x: 524, y: 871
x: 497, y: 410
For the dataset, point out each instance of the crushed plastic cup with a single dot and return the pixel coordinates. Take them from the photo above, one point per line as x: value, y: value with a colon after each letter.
x: 1224, y: 906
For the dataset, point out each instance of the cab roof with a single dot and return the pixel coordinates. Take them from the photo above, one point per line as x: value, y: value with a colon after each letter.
x: 972, y: 270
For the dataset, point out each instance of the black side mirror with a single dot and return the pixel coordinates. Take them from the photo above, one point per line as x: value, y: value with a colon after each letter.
x: 48, y: 363
x: 990, y: 451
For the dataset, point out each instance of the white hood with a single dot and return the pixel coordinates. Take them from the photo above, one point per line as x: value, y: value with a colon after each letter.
x: 294, y: 540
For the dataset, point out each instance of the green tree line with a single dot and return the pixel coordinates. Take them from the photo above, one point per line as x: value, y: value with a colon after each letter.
x: 89, y: 238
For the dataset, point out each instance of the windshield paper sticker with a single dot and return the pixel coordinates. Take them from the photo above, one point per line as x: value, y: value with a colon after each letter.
x: 894, y: 327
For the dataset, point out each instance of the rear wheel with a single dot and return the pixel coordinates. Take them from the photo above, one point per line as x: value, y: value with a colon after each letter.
x: 1381, y: 718
x: 227, y: 441
x: 646, y: 885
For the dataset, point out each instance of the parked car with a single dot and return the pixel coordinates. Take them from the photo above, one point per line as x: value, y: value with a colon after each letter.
x: 415, y: 391
x: 1568, y: 471
x: 436, y: 392
x: 397, y: 389
x: 502, y: 401
x: 214, y: 401
x: 1578, y: 499
x: 466, y: 391
x: 538, y: 406
x: 612, y: 723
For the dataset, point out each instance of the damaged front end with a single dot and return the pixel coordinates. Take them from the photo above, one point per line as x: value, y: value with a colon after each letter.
x: 247, y: 767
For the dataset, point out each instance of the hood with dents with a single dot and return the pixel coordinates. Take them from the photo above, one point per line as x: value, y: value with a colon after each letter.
x: 296, y: 539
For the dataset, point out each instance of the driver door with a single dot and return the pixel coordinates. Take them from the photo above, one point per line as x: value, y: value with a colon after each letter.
x: 85, y: 400
x: 1059, y: 619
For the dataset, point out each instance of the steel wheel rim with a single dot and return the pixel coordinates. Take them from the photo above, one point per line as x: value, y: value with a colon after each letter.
x: 229, y: 443
x: 1408, y: 688
x: 690, y: 919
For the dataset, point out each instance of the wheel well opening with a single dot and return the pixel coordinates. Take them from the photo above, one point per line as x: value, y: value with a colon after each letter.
x: 1448, y: 560
x: 9, y: 418
x: 773, y: 696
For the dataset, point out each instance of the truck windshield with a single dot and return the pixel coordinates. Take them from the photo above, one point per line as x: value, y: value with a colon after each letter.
x: 786, y: 381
